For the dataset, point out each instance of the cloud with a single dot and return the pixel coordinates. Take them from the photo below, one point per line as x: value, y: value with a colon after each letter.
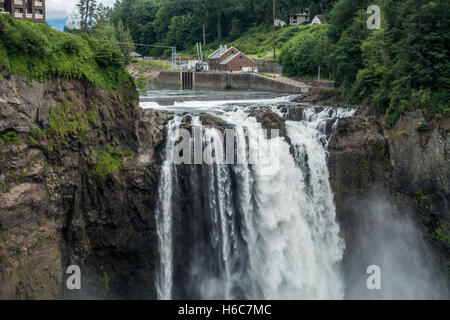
x: 62, y: 9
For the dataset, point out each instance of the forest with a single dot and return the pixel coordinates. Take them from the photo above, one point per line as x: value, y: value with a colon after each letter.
x: 404, y: 64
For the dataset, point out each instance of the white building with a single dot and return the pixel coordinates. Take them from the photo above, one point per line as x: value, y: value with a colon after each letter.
x: 135, y: 56
x: 299, y: 18
x: 318, y: 19
x: 279, y: 23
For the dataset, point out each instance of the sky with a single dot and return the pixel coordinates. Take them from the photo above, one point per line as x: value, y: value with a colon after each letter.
x: 59, y: 10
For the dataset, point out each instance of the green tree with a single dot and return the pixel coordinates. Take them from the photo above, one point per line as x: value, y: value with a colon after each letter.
x: 305, y: 53
x: 184, y: 31
x: 87, y: 10
x: 125, y: 41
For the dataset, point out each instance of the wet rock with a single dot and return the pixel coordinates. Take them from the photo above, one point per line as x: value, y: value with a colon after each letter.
x: 269, y: 120
x: 214, y: 122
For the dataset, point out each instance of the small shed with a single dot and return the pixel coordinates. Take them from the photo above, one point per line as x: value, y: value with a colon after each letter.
x: 318, y: 19
x: 135, y: 56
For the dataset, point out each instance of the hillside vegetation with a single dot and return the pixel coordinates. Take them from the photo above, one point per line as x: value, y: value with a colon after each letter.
x: 36, y: 51
x: 404, y: 65
x: 257, y: 42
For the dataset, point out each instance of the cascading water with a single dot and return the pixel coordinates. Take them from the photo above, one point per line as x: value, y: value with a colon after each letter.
x: 263, y: 230
x: 164, y: 215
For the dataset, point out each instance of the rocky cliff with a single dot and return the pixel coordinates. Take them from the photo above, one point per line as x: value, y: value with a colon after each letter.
x: 78, y: 182
x: 408, y: 164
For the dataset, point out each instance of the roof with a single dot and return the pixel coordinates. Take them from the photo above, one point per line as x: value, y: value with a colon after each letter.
x: 230, y: 58
x: 305, y: 12
x: 227, y: 60
x: 320, y: 17
x: 135, y: 54
x: 217, y: 54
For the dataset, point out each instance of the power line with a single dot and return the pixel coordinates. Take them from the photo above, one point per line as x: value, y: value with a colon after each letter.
x: 150, y: 5
x: 173, y: 49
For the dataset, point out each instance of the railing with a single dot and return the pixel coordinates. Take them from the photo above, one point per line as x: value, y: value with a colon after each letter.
x: 29, y: 16
x: 18, y: 14
x: 38, y: 16
x: 18, y: 2
x: 38, y: 3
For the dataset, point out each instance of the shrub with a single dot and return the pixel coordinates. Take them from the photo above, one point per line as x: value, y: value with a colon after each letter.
x: 112, y: 160
x: 36, y: 51
x: 10, y: 138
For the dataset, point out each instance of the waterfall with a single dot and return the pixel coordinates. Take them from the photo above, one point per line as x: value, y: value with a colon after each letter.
x: 164, y: 214
x: 263, y: 230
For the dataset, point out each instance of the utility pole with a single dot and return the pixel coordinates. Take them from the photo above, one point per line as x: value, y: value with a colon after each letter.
x: 204, y: 35
x: 274, y: 33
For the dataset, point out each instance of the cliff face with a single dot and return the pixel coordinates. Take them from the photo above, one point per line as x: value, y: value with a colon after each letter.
x: 78, y: 180
x: 406, y: 164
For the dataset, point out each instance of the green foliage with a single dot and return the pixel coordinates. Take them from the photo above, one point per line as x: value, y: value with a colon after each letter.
x: 111, y: 160
x: 167, y: 22
x: 143, y: 65
x: 67, y: 122
x: 183, y: 31
x: 305, y: 52
x: 36, y: 51
x: 424, y: 127
x: 87, y: 10
x: 442, y: 236
x: 257, y: 42
x: 404, y: 65
x: 37, y: 133
x: 125, y: 41
x: 10, y: 138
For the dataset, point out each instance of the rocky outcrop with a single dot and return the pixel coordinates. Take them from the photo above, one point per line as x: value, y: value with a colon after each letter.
x: 269, y: 120
x: 410, y: 165
x: 79, y: 168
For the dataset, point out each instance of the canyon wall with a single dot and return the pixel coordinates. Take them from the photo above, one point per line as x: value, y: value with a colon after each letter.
x: 78, y: 183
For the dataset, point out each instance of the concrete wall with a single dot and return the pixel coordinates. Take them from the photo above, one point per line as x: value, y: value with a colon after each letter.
x: 220, y: 81
x: 267, y: 66
x: 169, y: 78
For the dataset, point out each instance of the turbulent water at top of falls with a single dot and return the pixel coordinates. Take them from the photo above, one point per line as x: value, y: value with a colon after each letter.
x: 260, y: 231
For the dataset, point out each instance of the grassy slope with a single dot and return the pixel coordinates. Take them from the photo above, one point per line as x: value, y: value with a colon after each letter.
x: 258, y: 42
x: 36, y: 51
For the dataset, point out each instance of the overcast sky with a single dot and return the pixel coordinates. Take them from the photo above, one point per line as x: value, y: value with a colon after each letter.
x: 62, y: 9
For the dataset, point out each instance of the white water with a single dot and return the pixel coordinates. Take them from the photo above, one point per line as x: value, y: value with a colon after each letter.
x: 291, y: 233
x: 164, y: 215
x: 288, y: 216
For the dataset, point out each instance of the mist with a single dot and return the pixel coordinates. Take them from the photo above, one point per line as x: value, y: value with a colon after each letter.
x: 386, y: 236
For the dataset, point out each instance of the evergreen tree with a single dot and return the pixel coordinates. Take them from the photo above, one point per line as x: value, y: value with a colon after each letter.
x: 125, y: 41
x: 87, y: 10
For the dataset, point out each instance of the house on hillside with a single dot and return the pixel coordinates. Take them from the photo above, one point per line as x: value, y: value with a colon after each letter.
x: 279, y: 23
x: 318, y: 19
x: 299, y: 18
x: 135, y: 56
x: 24, y: 9
x: 230, y: 59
